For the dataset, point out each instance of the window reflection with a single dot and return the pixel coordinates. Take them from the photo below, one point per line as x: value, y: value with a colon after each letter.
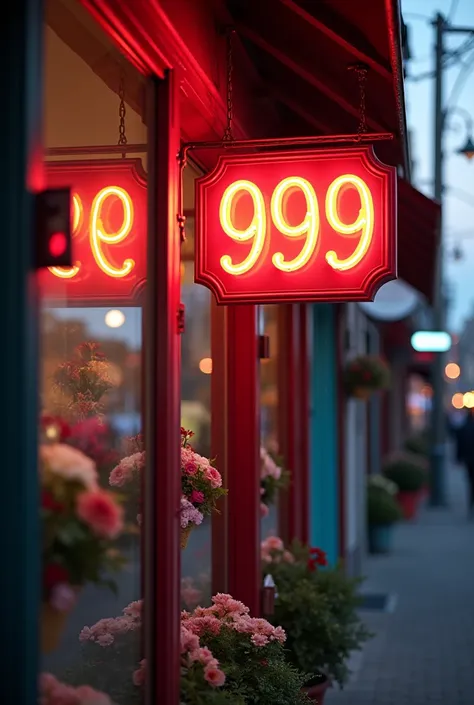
x: 196, y: 370
x: 269, y: 424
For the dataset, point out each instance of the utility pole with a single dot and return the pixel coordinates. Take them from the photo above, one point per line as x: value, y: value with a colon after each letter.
x: 438, y: 452
x: 438, y: 447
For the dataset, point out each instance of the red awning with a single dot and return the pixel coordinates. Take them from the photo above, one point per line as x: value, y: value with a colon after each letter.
x: 303, y: 50
x: 418, y: 223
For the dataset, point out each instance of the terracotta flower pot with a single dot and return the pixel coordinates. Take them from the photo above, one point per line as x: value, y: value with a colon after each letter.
x: 52, y: 625
x: 409, y: 503
x: 185, y: 534
x: 362, y: 393
x: 317, y: 692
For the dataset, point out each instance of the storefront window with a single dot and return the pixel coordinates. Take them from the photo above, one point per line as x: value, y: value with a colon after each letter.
x: 196, y: 370
x: 269, y: 424
x: 91, y: 371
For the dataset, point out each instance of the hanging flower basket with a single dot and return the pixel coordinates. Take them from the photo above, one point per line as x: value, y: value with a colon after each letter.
x: 365, y: 375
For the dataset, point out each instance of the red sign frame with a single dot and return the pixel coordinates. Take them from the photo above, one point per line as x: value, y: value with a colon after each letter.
x: 309, y: 268
x: 109, y: 219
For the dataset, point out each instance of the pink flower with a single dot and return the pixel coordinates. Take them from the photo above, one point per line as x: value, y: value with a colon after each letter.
x: 214, y: 676
x: 124, y: 472
x: 99, y: 511
x: 190, y: 468
x: 273, y: 543
x: 264, y: 510
x: 69, y: 463
x: 197, y: 497
x: 140, y: 674
x: 88, y: 696
x: 204, y: 656
x: 134, y: 609
x: 259, y: 640
x: 63, y: 597
x: 213, y: 476
x: 288, y: 557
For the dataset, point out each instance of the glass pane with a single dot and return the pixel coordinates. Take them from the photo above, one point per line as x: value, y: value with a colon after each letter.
x: 195, y: 403
x: 91, y: 336
x: 272, y: 475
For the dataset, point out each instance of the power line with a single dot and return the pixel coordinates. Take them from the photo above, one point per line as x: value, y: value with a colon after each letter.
x: 452, y: 10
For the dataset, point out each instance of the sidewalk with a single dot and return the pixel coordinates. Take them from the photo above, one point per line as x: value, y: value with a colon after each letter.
x: 424, y: 650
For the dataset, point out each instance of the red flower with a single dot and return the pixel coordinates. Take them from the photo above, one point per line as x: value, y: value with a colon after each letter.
x: 54, y: 574
x: 48, y: 502
x: 318, y: 557
x: 264, y: 662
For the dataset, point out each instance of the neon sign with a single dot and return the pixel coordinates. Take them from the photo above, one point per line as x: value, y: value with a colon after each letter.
x: 109, y: 222
x: 313, y: 225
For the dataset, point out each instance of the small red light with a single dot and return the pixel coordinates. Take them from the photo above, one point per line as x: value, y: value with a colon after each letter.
x: 57, y: 244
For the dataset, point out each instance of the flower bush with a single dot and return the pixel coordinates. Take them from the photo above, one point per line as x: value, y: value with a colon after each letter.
x: 273, y: 478
x: 226, y: 657
x: 250, y: 652
x: 317, y: 608
x: 80, y: 520
x: 368, y: 372
x: 382, y: 507
x: 408, y: 471
x: 53, y: 692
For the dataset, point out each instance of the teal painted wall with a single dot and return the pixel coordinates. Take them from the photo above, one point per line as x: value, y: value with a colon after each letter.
x: 324, y: 504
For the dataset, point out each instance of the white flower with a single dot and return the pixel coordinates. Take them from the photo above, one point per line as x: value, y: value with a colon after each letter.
x: 69, y: 463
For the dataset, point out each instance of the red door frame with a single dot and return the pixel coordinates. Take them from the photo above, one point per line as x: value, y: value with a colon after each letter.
x: 163, y: 407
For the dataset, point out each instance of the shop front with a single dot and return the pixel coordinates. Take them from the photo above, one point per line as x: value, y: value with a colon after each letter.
x: 111, y: 349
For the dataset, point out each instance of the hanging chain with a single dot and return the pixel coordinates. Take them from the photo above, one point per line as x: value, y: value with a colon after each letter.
x: 122, y: 112
x: 228, y: 132
x: 361, y: 71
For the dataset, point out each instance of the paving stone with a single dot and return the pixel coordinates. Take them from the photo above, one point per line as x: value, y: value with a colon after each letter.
x: 423, y: 653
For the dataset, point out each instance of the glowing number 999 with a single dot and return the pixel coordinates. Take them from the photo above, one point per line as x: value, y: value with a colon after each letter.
x: 310, y: 226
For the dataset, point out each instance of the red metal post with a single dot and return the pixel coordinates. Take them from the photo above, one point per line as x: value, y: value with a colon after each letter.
x: 291, y: 501
x: 305, y: 349
x: 243, y: 458
x: 162, y: 430
x: 341, y: 426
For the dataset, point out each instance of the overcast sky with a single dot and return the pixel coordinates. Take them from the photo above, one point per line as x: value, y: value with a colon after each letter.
x: 459, y: 172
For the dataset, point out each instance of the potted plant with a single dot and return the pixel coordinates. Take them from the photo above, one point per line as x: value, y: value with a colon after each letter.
x: 419, y: 444
x: 365, y: 375
x: 383, y: 511
x: 317, y: 607
x: 273, y: 478
x: 201, y: 482
x: 79, y: 523
x: 409, y: 473
x: 227, y: 656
